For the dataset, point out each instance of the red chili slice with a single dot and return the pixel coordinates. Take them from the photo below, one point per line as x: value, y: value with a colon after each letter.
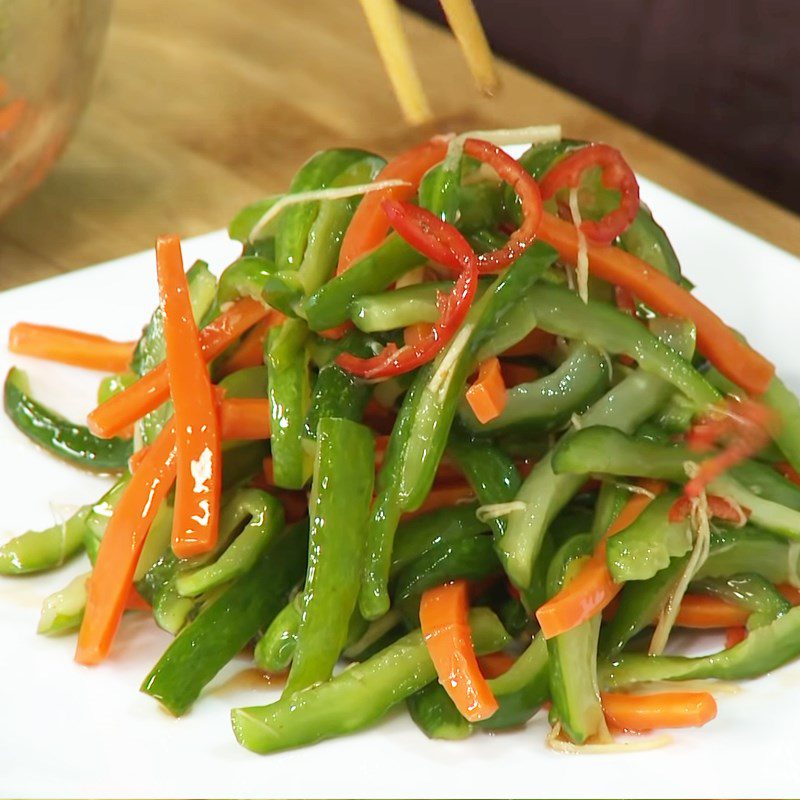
x: 428, y: 233
x: 512, y: 172
x: 616, y: 174
x: 745, y: 424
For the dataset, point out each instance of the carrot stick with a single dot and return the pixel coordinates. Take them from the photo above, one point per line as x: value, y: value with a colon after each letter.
x: 791, y: 593
x: 136, y: 602
x: 151, y: 390
x: 592, y: 589
x: 487, y: 396
x: 493, y: 665
x: 644, y: 712
x: 734, y: 636
x: 443, y: 497
x: 122, y: 545
x: 443, y: 619
x: 245, y: 418
x: 239, y: 418
x: 197, y: 495
x: 515, y: 374
x: 76, y: 348
x: 702, y: 611
x: 250, y: 351
x: 732, y: 357
x: 536, y: 343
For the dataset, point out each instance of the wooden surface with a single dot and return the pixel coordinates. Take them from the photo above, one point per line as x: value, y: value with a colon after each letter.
x: 201, y: 107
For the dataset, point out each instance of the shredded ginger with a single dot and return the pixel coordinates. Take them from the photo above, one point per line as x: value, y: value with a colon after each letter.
x: 339, y: 193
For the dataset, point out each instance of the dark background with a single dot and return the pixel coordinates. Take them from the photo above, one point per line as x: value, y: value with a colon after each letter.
x: 718, y: 79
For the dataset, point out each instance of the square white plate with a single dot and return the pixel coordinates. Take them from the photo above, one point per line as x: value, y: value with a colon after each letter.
x: 70, y: 731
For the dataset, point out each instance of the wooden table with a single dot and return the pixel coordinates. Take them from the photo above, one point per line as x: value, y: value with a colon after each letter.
x: 202, y: 107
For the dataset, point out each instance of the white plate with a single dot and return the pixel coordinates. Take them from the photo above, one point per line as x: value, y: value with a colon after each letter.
x: 70, y: 731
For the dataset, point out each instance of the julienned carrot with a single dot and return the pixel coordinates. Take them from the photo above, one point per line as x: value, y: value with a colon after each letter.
x: 487, y: 396
x: 369, y: 225
x: 250, y: 351
x: 121, y: 547
x: 136, y: 602
x: 443, y: 497
x: 151, y: 390
x: 536, y: 343
x: 791, y: 593
x: 443, y: 614
x: 514, y: 374
x: 731, y: 356
x: 734, y: 636
x: 493, y: 665
x: 195, y: 524
x: 245, y: 418
x: 76, y: 348
x: 592, y: 589
x: 703, y: 611
x: 239, y: 418
x: 647, y: 712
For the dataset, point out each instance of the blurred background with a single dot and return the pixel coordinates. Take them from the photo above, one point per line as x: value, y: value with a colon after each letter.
x: 201, y: 106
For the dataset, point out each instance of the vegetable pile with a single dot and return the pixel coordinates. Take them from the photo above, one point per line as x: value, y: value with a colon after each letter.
x: 456, y: 421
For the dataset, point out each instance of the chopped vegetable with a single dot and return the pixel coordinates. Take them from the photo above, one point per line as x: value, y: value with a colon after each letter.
x: 197, y: 436
x: 392, y: 406
x: 75, y: 348
x: 487, y: 396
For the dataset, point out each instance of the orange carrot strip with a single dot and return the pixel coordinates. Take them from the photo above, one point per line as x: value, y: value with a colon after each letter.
x: 136, y: 602
x: 791, y: 593
x: 592, y: 589
x: 443, y: 497
x: 645, y: 712
x: 703, y: 611
x: 240, y: 418
x: 369, y: 225
x: 135, y: 461
x: 122, y: 545
x: 732, y: 357
x: 514, y: 374
x: 487, y: 396
x: 197, y: 495
x: 536, y: 343
x: 493, y: 665
x: 250, y: 351
x: 443, y: 619
x: 734, y: 636
x: 151, y: 390
x: 245, y: 418
x: 76, y: 348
